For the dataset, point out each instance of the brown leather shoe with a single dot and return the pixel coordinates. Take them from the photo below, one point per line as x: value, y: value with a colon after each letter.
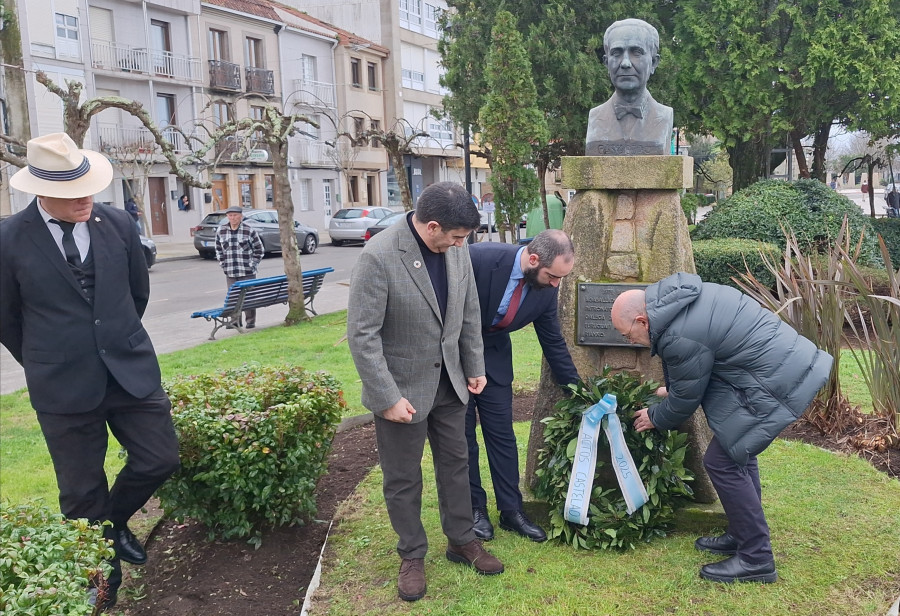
x: 474, y: 555
x: 411, y: 581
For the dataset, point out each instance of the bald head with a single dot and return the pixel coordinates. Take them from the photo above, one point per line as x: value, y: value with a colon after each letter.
x: 629, y: 316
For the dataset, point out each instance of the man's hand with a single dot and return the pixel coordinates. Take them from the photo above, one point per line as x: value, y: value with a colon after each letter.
x: 662, y: 392
x: 476, y: 383
x: 401, y: 412
x: 642, y: 421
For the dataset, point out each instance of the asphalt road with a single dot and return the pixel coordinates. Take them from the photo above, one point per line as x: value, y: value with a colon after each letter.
x: 180, y: 287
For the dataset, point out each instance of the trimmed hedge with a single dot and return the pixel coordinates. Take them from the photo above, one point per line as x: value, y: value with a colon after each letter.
x: 47, y: 563
x: 809, y: 208
x: 889, y: 229
x: 254, y: 443
x: 718, y: 260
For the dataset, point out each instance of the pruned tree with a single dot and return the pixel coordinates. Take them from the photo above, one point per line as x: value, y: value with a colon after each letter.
x: 134, y: 162
x: 77, y: 117
x: 273, y: 129
x: 511, y: 122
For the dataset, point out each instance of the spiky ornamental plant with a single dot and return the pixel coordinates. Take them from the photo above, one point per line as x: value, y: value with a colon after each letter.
x: 659, y: 457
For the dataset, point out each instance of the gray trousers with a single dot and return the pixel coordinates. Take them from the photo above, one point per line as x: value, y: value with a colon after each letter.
x: 249, y: 315
x: 400, y: 448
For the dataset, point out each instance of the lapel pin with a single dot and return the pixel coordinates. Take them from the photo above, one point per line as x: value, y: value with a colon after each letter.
x: 417, y: 264
x: 96, y: 219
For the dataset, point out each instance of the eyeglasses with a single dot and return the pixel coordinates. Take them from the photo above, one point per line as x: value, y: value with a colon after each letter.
x: 627, y: 336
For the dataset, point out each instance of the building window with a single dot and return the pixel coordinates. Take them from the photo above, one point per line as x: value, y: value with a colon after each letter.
x: 432, y: 16
x: 358, y: 127
x: 355, y: 73
x: 375, y: 127
x: 254, y: 51
x: 411, y: 14
x: 309, y: 131
x: 67, y: 36
x: 221, y: 113
x: 245, y: 187
x: 165, y: 110
x: 270, y: 189
x: 256, y: 113
x: 373, y: 75
x: 353, y: 185
x: 218, y: 45
x: 414, y: 80
x: 370, y: 190
x: 304, y: 195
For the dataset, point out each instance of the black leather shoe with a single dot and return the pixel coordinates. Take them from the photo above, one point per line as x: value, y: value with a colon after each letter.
x: 736, y: 570
x: 483, y: 528
x: 127, y: 547
x: 723, y: 544
x: 108, y: 601
x: 518, y: 522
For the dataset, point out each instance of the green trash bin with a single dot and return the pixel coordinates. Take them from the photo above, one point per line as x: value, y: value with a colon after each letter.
x: 535, y: 223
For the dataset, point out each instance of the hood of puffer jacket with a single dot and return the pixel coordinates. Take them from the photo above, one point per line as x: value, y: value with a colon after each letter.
x: 667, y: 299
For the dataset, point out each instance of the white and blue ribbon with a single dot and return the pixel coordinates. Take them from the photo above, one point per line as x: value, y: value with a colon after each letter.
x: 581, y: 483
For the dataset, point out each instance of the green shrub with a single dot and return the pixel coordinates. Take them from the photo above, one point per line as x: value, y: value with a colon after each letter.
x: 254, y: 442
x: 808, y: 207
x: 659, y: 457
x: 718, y: 260
x: 47, y: 563
x: 889, y: 229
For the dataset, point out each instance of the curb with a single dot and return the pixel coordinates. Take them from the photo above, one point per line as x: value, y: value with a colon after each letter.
x: 160, y: 259
x: 348, y: 423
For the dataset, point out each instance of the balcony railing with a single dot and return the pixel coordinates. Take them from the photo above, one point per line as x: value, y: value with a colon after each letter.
x: 314, y: 154
x: 224, y: 75
x: 314, y: 93
x: 137, y: 142
x: 120, y: 57
x: 260, y: 80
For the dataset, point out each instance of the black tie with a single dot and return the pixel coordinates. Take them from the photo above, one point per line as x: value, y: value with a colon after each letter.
x: 69, y: 245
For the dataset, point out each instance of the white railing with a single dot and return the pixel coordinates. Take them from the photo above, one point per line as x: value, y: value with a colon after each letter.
x: 314, y: 93
x: 314, y: 153
x: 136, y: 141
x: 120, y: 57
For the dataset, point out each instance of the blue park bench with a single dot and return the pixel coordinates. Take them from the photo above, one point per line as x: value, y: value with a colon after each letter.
x: 259, y: 293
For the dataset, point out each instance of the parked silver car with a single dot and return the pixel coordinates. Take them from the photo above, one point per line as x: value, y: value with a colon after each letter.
x: 266, y: 224
x: 350, y: 224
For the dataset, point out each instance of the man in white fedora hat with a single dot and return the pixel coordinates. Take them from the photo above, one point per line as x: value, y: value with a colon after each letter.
x: 73, y: 287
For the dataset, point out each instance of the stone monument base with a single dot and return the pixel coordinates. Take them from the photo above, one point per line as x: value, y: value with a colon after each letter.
x: 627, y: 225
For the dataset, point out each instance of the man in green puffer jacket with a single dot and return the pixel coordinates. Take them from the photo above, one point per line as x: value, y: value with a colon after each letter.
x: 753, y: 374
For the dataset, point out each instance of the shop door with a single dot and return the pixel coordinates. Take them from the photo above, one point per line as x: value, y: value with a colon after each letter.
x: 219, y: 195
x: 159, y: 215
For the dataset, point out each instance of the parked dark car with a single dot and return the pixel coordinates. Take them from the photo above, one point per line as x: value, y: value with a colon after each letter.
x: 149, y: 250
x: 384, y: 223
x: 350, y: 224
x: 266, y: 224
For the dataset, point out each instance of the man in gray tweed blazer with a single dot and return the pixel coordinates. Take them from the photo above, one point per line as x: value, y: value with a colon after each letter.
x: 414, y: 329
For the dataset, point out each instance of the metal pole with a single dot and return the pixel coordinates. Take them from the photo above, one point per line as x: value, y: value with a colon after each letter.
x: 468, y: 168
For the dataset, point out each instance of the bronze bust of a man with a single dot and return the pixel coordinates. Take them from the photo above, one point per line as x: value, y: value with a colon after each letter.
x: 630, y: 122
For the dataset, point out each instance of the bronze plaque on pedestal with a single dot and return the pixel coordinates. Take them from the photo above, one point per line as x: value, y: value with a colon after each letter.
x: 593, y: 322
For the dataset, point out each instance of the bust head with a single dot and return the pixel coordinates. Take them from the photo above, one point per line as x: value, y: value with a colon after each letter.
x: 631, y: 54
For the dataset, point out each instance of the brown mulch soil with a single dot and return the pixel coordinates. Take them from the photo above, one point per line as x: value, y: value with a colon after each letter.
x: 188, y: 576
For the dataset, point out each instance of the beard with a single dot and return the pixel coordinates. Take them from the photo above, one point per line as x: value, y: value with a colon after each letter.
x: 531, y: 278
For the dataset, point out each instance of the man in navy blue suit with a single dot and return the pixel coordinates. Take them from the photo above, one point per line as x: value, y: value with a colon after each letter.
x: 516, y: 286
x: 73, y: 287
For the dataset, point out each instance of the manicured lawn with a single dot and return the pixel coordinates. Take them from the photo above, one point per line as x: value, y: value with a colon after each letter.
x: 835, y: 532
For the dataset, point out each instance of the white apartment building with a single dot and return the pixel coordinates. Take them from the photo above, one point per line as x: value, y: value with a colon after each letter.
x: 408, y: 30
x: 193, y: 65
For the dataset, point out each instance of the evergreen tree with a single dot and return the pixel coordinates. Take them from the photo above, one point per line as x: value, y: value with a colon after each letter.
x: 511, y: 122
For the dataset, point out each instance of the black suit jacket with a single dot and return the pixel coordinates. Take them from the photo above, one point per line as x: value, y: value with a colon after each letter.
x: 67, y: 344
x: 493, y: 264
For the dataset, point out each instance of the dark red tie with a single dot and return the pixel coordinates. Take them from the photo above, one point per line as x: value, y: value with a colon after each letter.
x: 513, y: 308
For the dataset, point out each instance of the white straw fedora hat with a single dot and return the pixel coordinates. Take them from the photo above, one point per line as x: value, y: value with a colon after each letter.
x: 57, y: 168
